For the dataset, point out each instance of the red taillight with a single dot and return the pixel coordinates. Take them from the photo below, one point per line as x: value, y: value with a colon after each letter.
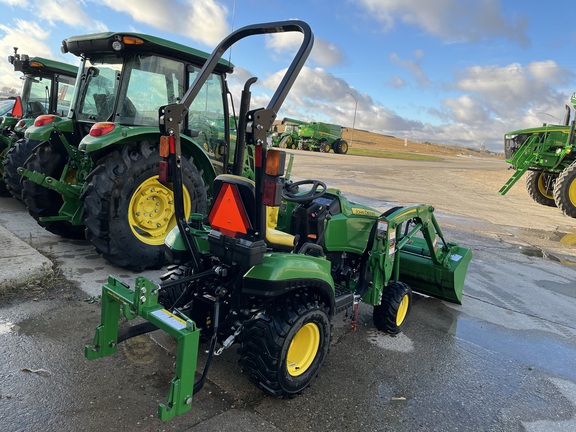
x: 21, y: 124
x: 102, y: 128
x: 163, y: 172
x: 44, y: 119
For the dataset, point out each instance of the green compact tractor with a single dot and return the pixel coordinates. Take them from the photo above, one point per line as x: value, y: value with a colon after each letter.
x: 277, y: 261
x: 548, y: 154
x: 47, y: 89
x: 95, y: 173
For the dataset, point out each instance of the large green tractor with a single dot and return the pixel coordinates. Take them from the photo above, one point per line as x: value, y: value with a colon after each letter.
x: 548, y: 155
x: 47, y: 89
x: 95, y: 173
x: 277, y: 261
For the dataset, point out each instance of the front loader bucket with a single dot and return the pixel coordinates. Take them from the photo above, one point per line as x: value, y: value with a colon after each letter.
x: 446, y: 282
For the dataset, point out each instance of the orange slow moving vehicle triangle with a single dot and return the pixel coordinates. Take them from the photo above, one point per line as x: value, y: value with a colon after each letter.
x: 17, y: 111
x: 228, y: 214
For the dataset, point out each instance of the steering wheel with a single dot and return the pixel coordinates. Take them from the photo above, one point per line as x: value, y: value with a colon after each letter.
x: 290, y: 191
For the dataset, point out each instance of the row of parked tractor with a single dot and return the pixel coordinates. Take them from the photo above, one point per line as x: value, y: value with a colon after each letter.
x: 80, y: 147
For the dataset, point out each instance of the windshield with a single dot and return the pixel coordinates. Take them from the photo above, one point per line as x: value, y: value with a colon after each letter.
x: 36, y: 96
x: 6, y: 106
x: 150, y: 83
x: 98, y: 92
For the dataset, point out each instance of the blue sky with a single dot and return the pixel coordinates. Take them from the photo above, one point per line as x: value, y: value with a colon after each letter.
x: 459, y: 72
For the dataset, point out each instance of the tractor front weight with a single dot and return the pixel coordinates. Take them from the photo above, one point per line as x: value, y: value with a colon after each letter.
x: 143, y: 302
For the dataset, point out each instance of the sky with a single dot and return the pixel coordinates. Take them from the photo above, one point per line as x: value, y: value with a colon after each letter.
x: 457, y: 72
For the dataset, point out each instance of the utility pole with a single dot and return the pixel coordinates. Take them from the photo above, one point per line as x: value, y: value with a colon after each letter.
x: 353, y: 121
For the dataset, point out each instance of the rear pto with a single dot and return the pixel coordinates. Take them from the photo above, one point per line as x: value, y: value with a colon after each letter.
x: 95, y: 173
x: 278, y: 260
x: 548, y: 154
x: 47, y: 89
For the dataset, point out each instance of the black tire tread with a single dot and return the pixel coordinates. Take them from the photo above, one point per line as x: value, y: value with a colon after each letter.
x: 565, y: 181
x: 534, y: 192
x: 263, y: 340
x: 106, y: 199
x: 44, y: 202
x: 384, y: 315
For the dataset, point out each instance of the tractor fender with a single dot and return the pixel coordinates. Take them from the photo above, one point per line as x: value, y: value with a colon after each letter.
x: 42, y: 133
x: 122, y: 135
x: 281, y: 273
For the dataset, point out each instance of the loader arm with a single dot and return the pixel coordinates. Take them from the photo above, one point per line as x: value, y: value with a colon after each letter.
x: 430, y: 266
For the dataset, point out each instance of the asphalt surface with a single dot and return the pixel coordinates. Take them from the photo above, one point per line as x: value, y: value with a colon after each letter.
x: 505, y: 360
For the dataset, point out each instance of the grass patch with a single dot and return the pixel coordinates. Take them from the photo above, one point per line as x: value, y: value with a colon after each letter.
x: 393, y: 155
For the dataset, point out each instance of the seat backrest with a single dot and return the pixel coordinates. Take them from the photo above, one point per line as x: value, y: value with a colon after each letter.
x: 234, y: 209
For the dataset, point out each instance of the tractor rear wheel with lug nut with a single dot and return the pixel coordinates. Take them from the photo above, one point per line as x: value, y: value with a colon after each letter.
x: 284, y: 348
x: 44, y: 202
x: 390, y: 315
x: 128, y: 212
x: 540, y: 187
x: 341, y: 146
x: 565, y: 190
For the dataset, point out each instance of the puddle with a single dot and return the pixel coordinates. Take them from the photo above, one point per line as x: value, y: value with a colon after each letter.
x: 542, y: 351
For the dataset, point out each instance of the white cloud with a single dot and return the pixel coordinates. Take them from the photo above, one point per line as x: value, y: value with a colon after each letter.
x: 323, y: 53
x: 414, y: 67
x: 201, y: 20
x: 69, y: 12
x: 450, y: 20
x: 29, y: 37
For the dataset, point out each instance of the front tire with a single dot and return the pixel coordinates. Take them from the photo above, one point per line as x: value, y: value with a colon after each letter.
x: 325, y: 147
x: 540, y: 187
x: 390, y: 315
x: 284, y: 348
x: 565, y: 190
x: 128, y: 212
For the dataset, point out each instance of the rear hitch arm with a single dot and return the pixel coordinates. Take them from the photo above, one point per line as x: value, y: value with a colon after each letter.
x: 143, y: 301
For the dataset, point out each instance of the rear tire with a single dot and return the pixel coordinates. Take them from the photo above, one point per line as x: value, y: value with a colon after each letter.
x: 128, y: 212
x: 540, y: 187
x: 284, y: 348
x: 325, y: 147
x: 390, y: 315
x: 16, y: 158
x: 44, y: 202
x: 340, y: 147
x: 565, y: 190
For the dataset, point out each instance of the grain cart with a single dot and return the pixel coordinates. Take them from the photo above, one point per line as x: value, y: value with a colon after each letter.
x: 318, y: 136
x: 47, y: 89
x: 95, y: 172
x: 274, y: 289
x: 548, y: 154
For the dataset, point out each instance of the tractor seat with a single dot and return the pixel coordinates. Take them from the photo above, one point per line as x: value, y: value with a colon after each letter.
x: 275, y: 239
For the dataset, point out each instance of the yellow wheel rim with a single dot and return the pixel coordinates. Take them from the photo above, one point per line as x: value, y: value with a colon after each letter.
x: 151, y: 211
x: 344, y: 147
x: 303, y: 349
x: 542, y: 187
x: 402, y: 310
x: 572, y: 192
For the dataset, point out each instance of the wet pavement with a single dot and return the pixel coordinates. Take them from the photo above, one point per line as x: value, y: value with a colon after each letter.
x: 505, y: 360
